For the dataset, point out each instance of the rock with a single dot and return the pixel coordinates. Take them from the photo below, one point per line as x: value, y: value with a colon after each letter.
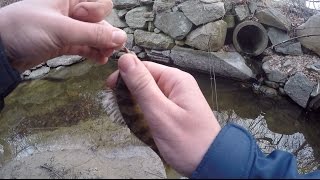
x: 122, y: 13
x: 64, y: 61
x: 163, y: 5
x: 271, y: 84
x: 138, y: 17
x: 242, y: 12
x: 201, y: 13
x: 312, y: 42
x: 146, y: 2
x: 227, y: 64
x: 277, y: 36
x: 39, y: 73
x: 282, y: 92
x: 130, y: 41
x: 274, y: 18
x: 314, y: 67
x: 159, y: 56
x: 125, y: 4
x: 269, y: 92
x: 210, y: 37
x: 156, y: 30
x: 151, y: 26
x: 137, y: 49
x: 152, y: 40
x: 128, y: 30
x: 287, y: 63
x: 299, y: 89
x: 230, y: 20
x: 315, y: 103
x: 179, y: 43
x: 274, y: 75
x: 26, y: 73
x: 316, y: 90
x: 175, y: 24
x: 115, y: 20
x: 253, y: 7
x: 142, y: 55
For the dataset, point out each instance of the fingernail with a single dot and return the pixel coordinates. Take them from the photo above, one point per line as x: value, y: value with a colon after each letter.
x: 119, y: 37
x: 81, y: 12
x: 126, y: 62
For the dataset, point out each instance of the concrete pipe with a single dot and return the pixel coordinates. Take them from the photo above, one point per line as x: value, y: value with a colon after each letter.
x: 250, y: 37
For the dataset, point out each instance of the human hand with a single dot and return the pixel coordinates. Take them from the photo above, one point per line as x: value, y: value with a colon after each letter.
x: 181, y: 121
x: 34, y: 31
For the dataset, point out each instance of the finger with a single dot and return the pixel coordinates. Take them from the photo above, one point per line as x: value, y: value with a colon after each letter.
x: 92, y: 11
x: 140, y: 82
x: 98, y: 35
x: 112, y: 79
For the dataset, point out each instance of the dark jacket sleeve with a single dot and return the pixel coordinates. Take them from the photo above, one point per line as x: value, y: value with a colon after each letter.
x: 235, y: 154
x: 9, y: 77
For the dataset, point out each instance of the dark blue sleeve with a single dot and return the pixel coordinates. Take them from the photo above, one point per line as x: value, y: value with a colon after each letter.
x: 9, y: 77
x: 235, y: 154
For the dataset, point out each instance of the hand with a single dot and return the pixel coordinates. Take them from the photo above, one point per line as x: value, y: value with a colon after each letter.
x: 34, y: 31
x: 181, y: 121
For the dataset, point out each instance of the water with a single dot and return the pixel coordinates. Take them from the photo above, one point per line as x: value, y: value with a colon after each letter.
x: 72, y: 99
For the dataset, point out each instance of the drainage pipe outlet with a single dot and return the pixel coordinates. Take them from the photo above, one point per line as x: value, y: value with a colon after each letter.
x: 251, y: 38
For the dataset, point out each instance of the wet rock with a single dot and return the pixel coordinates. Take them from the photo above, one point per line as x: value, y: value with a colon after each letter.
x: 242, y: 12
x: 274, y: 18
x: 138, y: 17
x: 268, y: 92
x: 115, y: 20
x: 159, y: 56
x: 152, y: 40
x: 130, y: 41
x: 201, y: 13
x: 125, y: 4
x: 277, y: 36
x: 299, y: 89
x: 151, y: 26
x: 227, y: 64
x: 315, y: 103
x: 312, y: 42
x: 274, y: 75
x: 122, y: 13
x: 230, y: 20
x: 175, y: 24
x: 282, y: 92
x: 38, y: 73
x: 64, y: 61
x: 271, y: 84
x: 163, y: 5
x: 210, y: 37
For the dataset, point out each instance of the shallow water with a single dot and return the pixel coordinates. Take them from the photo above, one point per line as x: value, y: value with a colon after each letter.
x: 70, y: 97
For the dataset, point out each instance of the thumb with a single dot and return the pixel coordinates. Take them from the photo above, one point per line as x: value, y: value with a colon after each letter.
x: 140, y: 82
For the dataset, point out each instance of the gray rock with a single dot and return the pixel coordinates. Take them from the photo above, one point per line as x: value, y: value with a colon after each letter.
x: 201, y: 13
x: 277, y: 36
x: 316, y: 90
x: 210, y: 37
x: 253, y: 7
x: 269, y: 92
x: 273, y: 85
x: 314, y: 67
x: 39, y: 73
x: 175, y: 24
x: 146, y: 2
x: 138, y: 17
x: 142, y: 55
x: 151, y: 26
x: 163, y: 5
x: 282, y: 92
x: 274, y: 75
x: 159, y: 56
x: 115, y: 20
x: 180, y: 43
x: 64, y: 61
x: 242, y: 12
x: 308, y: 28
x: 227, y: 64
x: 137, y: 49
x: 125, y: 4
x: 274, y: 18
x: 26, y: 73
x: 230, y: 20
x: 299, y: 89
x: 128, y: 30
x: 152, y: 40
x: 130, y: 41
x: 156, y: 30
x: 122, y: 13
